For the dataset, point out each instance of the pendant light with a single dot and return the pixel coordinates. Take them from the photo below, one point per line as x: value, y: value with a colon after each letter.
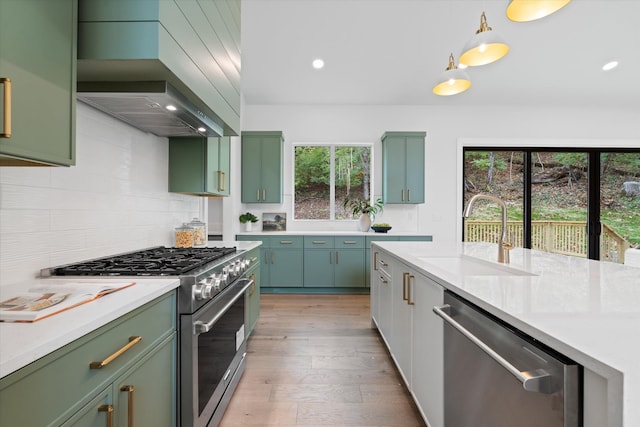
x: 485, y: 47
x: 453, y: 81
x: 530, y: 10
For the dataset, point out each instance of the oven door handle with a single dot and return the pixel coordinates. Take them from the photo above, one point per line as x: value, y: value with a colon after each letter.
x: 200, y: 327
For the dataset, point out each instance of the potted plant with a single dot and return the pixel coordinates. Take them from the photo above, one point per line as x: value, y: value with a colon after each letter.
x: 247, y: 219
x: 364, y: 210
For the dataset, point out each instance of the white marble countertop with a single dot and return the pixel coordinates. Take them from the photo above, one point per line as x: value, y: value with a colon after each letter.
x: 23, y: 343
x: 587, y: 310
x: 390, y: 233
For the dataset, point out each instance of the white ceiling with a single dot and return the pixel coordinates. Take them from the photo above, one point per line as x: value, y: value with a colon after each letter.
x: 390, y: 52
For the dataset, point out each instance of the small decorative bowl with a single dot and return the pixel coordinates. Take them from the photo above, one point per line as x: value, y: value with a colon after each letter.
x: 378, y: 229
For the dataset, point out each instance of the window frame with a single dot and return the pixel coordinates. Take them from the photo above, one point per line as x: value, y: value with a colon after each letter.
x: 332, y: 192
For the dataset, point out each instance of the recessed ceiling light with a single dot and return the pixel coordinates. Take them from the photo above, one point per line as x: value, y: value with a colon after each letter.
x: 171, y: 107
x: 201, y: 129
x: 317, y: 63
x: 610, y: 65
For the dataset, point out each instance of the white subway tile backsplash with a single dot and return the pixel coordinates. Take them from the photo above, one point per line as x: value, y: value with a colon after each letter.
x: 114, y: 200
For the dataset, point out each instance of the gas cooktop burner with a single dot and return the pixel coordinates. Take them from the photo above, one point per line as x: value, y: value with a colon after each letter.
x: 160, y: 261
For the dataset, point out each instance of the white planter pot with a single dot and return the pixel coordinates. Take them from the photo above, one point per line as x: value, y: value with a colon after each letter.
x: 364, y: 223
x: 248, y: 226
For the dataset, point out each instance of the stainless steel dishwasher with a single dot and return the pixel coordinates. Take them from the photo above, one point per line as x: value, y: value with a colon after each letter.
x: 496, y: 376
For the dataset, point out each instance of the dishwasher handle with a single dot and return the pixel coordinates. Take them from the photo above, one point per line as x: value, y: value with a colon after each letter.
x: 538, y: 380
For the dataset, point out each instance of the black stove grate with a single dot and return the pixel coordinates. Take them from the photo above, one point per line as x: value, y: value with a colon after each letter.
x: 160, y: 261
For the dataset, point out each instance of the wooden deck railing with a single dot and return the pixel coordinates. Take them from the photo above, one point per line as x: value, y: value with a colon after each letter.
x: 561, y: 237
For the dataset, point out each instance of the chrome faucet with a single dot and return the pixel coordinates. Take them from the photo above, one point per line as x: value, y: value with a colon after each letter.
x: 503, y: 244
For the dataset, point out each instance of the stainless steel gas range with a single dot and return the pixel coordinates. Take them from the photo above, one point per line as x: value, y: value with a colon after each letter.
x: 211, y: 313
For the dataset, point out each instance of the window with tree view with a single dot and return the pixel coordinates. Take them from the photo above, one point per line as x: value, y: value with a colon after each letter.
x: 580, y: 202
x: 325, y: 175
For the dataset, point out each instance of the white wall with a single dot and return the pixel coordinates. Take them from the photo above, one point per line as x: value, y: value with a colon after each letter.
x: 447, y: 129
x: 114, y: 200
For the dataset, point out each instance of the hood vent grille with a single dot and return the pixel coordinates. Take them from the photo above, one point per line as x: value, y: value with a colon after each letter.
x: 143, y: 105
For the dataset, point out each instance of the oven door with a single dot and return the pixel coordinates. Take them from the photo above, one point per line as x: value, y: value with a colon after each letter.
x: 212, y: 351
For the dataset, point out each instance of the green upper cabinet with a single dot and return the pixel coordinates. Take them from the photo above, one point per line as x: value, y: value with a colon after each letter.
x: 262, y: 167
x: 199, y: 166
x: 194, y: 45
x: 37, y: 82
x: 403, y: 167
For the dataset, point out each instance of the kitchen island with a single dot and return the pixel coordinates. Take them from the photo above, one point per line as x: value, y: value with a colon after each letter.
x: 585, y: 310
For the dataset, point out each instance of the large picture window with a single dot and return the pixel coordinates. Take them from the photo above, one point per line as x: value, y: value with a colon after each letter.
x: 584, y: 203
x: 324, y: 175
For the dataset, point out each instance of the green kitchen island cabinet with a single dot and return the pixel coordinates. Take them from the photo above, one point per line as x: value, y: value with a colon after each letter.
x: 334, y: 261
x: 262, y: 159
x: 199, y: 166
x: 80, y: 385
x: 38, y: 82
x: 403, y: 167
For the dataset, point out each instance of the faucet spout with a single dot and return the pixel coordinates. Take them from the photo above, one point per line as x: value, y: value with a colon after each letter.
x: 503, y: 244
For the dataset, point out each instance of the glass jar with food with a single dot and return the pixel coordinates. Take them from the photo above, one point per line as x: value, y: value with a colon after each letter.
x: 199, y: 232
x: 184, y: 236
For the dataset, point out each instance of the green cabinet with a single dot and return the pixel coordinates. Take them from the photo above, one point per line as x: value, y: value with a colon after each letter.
x: 199, y: 166
x: 69, y: 389
x: 252, y: 296
x: 403, y: 167
x: 334, y: 261
x: 37, y: 82
x: 262, y: 157
x: 281, y: 259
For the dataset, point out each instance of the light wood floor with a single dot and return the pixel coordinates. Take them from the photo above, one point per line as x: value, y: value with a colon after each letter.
x: 313, y: 360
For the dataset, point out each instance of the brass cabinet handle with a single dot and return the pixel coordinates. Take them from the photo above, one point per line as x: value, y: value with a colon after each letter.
x: 286, y: 242
x: 129, y: 389
x: 6, y: 132
x: 408, y: 195
x: 330, y: 257
x: 383, y: 280
x: 109, y: 410
x: 337, y: 257
x: 375, y: 261
x: 410, y: 301
x: 258, y: 194
x: 253, y: 286
x: 404, y: 286
x: 264, y: 194
x: 272, y: 257
x: 132, y: 341
x: 402, y: 194
x: 349, y: 242
x: 222, y: 181
x: 319, y: 242
x: 253, y: 259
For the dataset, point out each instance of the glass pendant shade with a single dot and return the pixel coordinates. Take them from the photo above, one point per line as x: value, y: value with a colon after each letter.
x: 485, y: 47
x: 453, y: 81
x: 530, y: 10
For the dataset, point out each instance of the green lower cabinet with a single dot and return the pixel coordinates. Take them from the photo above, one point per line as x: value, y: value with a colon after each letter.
x: 318, y: 267
x: 349, y: 269
x: 252, y: 295
x: 285, y: 269
x: 63, y: 388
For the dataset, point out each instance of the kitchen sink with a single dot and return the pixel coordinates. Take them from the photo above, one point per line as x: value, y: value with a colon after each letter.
x: 469, y: 266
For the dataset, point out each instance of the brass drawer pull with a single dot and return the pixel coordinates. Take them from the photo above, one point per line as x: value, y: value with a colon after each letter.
x: 286, y: 242
x: 6, y: 132
x: 222, y: 181
x: 319, y: 242
x: 350, y: 242
x: 129, y: 389
x: 109, y: 410
x: 132, y: 341
x: 405, y: 279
